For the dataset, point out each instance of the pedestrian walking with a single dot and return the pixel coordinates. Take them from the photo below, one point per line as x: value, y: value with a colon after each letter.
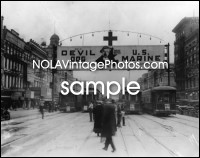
x: 123, y: 115
x: 119, y: 116
x: 98, y: 116
x: 91, y: 111
x: 41, y: 102
x: 109, y: 125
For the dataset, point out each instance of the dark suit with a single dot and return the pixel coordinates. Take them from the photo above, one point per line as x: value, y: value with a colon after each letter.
x: 109, y: 125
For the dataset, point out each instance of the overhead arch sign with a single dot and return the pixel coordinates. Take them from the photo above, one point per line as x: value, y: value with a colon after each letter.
x: 100, y: 54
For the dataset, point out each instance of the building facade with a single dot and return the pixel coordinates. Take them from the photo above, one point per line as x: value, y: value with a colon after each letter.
x: 186, y: 53
x: 14, y: 68
x: 155, y: 78
x: 58, y: 76
x: 21, y: 85
x: 38, y: 80
x: 2, y: 55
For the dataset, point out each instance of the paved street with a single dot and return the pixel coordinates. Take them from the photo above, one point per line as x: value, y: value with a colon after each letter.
x: 70, y: 134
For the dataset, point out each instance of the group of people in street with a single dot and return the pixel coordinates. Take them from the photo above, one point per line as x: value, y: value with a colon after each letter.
x: 13, y: 104
x: 107, y: 117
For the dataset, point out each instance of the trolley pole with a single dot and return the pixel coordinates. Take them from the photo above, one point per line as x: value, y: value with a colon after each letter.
x: 168, y: 61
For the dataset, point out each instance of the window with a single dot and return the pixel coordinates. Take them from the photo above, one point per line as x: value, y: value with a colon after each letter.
x: 11, y: 49
x: 13, y: 80
x: 10, y: 84
x: 18, y: 82
x: 22, y: 83
x: 13, y: 66
x: 14, y: 52
x: 6, y: 81
x: 193, y: 59
x: 8, y: 49
x: 10, y: 65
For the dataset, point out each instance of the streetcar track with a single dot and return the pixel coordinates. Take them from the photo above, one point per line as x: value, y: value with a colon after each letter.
x: 8, y: 144
x: 156, y: 140
x: 50, y: 117
x: 15, y: 129
x: 179, y: 122
x: 126, y: 148
x: 134, y: 132
x: 29, y: 135
x: 168, y: 128
x: 184, y: 119
x: 85, y: 140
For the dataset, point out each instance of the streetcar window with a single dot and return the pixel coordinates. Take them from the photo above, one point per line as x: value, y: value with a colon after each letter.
x: 163, y: 98
x: 166, y: 98
x: 172, y: 98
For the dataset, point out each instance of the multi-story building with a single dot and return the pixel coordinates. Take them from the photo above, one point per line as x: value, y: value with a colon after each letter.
x: 192, y: 66
x: 38, y: 80
x: 14, y: 65
x: 186, y: 51
x: 2, y: 54
x: 59, y: 76
x: 22, y: 84
x: 154, y: 78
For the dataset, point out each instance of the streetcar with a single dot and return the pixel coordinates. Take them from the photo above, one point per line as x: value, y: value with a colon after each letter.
x: 68, y: 103
x: 159, y: 100
x: 134, y: 105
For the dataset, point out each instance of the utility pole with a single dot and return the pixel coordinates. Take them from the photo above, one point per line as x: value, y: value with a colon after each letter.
x: 168, y: 61
x: 53, y: 72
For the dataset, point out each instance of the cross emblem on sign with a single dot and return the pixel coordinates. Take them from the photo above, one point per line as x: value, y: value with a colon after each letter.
x: 110, y: 38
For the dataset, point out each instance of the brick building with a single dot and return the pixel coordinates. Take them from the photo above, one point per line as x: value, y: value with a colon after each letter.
x: 186, y: 51
x: 154, y: 78
x: 14, y: 68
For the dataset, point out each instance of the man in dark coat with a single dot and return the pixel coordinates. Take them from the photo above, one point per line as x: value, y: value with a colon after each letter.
x: 90, y: 108
x: 109, y: 125
x: 41, y: 104
x: 98, y: 115
x: 119, y: 116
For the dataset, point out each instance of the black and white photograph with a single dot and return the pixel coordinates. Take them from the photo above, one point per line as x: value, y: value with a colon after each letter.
x: 99, y: 78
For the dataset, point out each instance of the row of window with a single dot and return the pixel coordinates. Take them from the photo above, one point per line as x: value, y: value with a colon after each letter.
x: 180, y: 34
x: 13, y: 65
x: 193, y: 59
x: 13, y: 81
x: 192, y: 83
x: 15, y: 51
x: 37, y: 84
x: 191, y: 50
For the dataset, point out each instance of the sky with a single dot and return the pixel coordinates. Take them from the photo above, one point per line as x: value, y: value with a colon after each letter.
x: 39, y: 20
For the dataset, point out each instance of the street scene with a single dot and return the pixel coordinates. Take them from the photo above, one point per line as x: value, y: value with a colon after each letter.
x: 71, y: 134
x: 99, y: 79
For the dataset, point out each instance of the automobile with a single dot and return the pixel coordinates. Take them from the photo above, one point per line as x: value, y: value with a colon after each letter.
x: 5, y: 114
x: 67, y: 107
x: 182, y: 108
x: 99, y: 102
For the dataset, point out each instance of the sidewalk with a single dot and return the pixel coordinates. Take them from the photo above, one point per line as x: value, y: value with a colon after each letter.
x: 22, y: 114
